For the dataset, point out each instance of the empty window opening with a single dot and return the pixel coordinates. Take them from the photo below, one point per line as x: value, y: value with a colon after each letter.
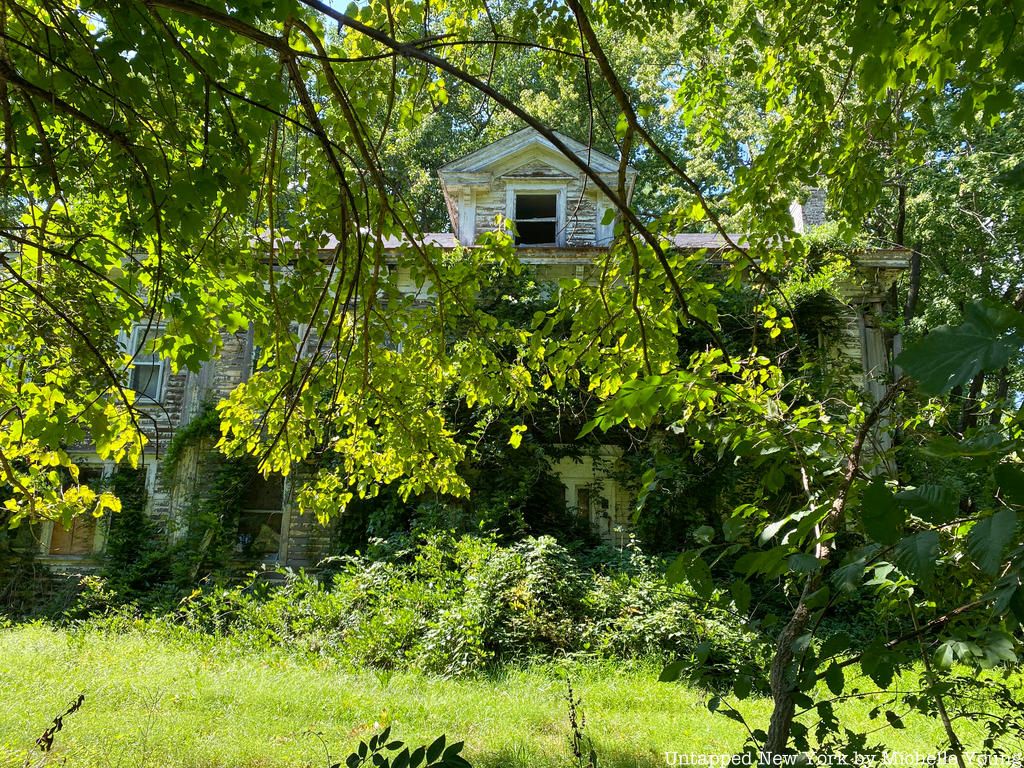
x: 536, y: 218
x: 261, y: 516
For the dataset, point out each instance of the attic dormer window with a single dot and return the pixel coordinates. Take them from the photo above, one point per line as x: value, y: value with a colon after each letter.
x: 536, y: 218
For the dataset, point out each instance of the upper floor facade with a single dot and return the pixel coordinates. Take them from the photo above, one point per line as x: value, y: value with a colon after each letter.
x: 563, y: 222
x: 525, y: 179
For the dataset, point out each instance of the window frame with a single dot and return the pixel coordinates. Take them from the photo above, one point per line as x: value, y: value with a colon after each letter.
x: 282, y: 548
x: 540, y: 187
x: 605, y: 233
x: 130, y: 342
x: 99, y: 538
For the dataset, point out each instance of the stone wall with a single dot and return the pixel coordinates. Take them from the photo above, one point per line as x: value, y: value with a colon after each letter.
x: 306, y: 541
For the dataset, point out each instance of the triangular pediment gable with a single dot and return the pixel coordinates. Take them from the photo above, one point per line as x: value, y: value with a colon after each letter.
x: 537, y: 167
x: 483, y: 184
x: 521, y: 147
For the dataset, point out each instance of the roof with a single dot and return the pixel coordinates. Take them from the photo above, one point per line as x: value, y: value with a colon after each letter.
x: 516, y: 143
x: 689, y: 241
x: 881, y: 258
x: 439, y: 239
x: 686, y: 242
x: 694, y: 241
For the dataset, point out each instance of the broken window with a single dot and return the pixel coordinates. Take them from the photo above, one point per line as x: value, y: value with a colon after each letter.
x: 261, y: 517
x: 80, y: 537
x: 592, y: 506
x: 583, y: 502
x: 147, y: 371
x: 536, y: 218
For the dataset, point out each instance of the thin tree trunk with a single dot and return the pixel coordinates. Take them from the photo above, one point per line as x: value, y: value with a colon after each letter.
x: 1002, y: 390
x: 901, y: 213
x: 969, y: 413
x: 955, y: 746
x: 782, y: 677
x: 913, y: 287
x: 785, y: 665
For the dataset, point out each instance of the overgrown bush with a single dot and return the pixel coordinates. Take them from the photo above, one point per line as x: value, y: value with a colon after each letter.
x: 137, y: 561
x: 454, y: 604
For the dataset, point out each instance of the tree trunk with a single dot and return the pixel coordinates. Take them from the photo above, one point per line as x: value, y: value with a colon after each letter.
x: 785, y: 668
x: 969, y: 413
x: 913, y: 287
x: 783, y: 676
x: 1002, y: 390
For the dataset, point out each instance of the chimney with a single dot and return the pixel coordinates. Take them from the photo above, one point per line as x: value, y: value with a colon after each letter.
x: 810, y: 213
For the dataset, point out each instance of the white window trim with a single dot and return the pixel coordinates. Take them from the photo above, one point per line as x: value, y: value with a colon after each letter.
x: 282, y: 550
x: 127, y: 341
x: 99, y: 540
x: 513, y: 188
x: 605, y: 232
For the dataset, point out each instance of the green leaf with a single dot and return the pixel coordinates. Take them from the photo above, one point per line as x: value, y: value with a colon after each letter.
x: 989, y: 538
x: 1012, y: 177
x: 850, y: 576
x: 819, y: 598
x: 453, y: 749
x: 671, y: 672
x: 950, y: 356
x: 801, y: 562
x: 917, y: 554
x: 834, y: 679
x: 690, y: 567
x: 699, y: 577
x: 982, y: 445
x: 741, y: 595
x: 434, y: 750
x: 882, y: 518
x: 676, y: 573
x: 769, y: 561
x: 834, y: 645
x: 877, y: 664
x: 741, y: 686
x: 704, y: 534
x: 516, y: 437
x: 944, y: 656
x: 731, y: 528
x: 894, y: 720
x: 934, y: 503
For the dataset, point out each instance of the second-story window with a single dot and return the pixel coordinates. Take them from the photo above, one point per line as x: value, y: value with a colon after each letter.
x: 147, y: 373
x: 536, y: 218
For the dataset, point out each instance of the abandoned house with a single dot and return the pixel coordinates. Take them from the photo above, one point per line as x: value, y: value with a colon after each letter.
x: 561, y: 226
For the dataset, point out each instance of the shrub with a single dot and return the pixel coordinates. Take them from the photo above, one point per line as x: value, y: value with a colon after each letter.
x: 454, y: 604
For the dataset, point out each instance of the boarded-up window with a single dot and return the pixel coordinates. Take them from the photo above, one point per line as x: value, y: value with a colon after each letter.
x: 80, y: 537
x: 536, y: 218
x: 261, y: 516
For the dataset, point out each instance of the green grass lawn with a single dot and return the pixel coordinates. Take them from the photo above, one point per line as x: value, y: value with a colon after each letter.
x: 153, y: 701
